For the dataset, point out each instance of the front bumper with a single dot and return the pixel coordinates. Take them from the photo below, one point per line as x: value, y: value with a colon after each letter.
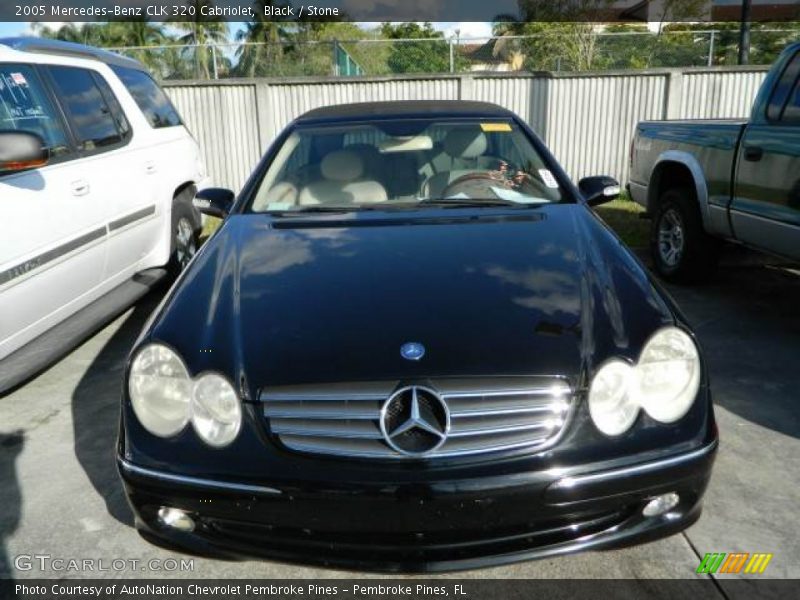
x: 446, y: 526
x: 638, y: 193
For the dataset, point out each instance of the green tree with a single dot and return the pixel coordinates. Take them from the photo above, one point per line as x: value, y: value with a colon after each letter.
x: 364, y: 46
x: 306, y: 55
x: 113, y: 34
x: 133, y: 32
x: 263, y: 43
x: 562, y: 46
x: 624, y: 46
x: 137, y: 34
x: 201, y: 33
x: 86, y: 33
x: 767, y: 40
x: 424, y: 56
x: 563, y: 35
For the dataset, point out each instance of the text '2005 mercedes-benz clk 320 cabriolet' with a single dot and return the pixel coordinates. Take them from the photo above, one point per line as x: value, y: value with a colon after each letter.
x: 413, y: 346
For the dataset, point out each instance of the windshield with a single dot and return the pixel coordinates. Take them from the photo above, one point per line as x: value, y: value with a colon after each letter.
x: 405, y: 163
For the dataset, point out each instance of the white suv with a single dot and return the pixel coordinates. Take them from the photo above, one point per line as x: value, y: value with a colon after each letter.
x: 97, y: 178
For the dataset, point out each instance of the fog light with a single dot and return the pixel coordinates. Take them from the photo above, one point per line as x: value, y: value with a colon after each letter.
x: 175, y: 518
x: 661, y: 504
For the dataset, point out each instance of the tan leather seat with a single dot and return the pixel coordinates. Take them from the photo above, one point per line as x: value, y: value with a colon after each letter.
x: 342, y: 183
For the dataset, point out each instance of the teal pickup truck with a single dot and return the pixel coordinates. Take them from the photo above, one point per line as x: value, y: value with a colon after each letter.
x: 704, y: 181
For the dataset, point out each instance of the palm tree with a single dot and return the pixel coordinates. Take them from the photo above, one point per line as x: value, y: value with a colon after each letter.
x: 134, y: 38
x: 137, y: 32
x: 88, y: 33
x: 138, y: 35
x: 264, y: 39
x: 202, y: 32
x: 507, y: 46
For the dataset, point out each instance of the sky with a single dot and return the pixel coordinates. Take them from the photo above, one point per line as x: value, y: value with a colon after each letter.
x: 466, y: 29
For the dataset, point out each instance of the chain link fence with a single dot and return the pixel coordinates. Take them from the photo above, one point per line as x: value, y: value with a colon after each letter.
x: 574, y: 51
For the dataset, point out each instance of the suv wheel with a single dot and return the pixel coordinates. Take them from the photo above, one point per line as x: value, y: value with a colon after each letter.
x: 184, y: 236
x: 681, y: 249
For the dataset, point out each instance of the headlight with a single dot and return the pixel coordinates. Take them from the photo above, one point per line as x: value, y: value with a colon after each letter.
x: 612, y: 408
x: 160, y: 389
x: 668, y: 375
x: 664, y: 382
x: 216, y: 410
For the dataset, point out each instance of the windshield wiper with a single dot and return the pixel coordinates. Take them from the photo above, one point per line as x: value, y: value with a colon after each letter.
x: 321, y: 209
x: 392, y: 206
x: 462, y: 202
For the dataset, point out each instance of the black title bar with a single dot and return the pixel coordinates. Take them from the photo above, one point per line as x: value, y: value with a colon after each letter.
x: 385, y: 589
x: 397, y: 10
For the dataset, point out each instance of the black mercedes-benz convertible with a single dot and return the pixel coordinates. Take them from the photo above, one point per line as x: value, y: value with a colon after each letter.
x: 412, y: 346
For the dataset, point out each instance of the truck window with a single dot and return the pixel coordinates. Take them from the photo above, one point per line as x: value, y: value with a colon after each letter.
x: 90, y: 115
x: 150, y: 98
x: 24, y: 106
x: 791, y: 112
x: 785, y: 90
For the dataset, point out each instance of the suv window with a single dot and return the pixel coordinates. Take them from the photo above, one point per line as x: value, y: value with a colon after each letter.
x: 116, y: 110
x: 91, y: 116
x: 150, y: 98
x: 25, y: 106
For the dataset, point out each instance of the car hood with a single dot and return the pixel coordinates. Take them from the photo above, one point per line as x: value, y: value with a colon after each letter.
x: 314, y: 299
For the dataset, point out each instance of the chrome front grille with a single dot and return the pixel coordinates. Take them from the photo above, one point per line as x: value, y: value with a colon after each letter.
x: 485, y: 416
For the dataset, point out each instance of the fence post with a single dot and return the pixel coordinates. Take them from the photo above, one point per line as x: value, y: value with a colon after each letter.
x: 214, y: 59
x: 335, y: 48
x: 711, y: 49
x: 266, y: 131
x: 673, y: 92
x: 466, y: 87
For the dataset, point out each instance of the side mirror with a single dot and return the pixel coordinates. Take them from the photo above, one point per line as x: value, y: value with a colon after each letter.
x: 21, y: 150
x: 599, y: 190
x: 214, y: 202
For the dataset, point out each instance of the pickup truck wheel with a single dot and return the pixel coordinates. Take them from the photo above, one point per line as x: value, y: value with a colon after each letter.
x: 184, y: 236
x: 681, y: 249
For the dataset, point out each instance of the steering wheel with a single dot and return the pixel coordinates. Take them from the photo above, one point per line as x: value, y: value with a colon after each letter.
x: 474, y: 179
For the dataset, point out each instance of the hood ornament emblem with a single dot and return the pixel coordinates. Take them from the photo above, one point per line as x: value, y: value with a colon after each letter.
x: 415, y: 421
x: 412, y: 351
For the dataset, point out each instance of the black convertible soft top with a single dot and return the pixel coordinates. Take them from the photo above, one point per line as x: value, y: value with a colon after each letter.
x: 406, y: 109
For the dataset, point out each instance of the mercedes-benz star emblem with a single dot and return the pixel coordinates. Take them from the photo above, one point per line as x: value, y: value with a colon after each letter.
x: 415, y: 421
x: 412, y: 351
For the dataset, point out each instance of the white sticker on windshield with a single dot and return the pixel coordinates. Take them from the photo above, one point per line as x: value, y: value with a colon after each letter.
x: 514, y: 196
x: 548, y: 178
x: 280, y: 205
x: 19, y: 79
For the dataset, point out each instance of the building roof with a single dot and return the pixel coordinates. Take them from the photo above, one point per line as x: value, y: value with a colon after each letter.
x: 60, y: 48
x: 405, y: 109
x: 482, y: 53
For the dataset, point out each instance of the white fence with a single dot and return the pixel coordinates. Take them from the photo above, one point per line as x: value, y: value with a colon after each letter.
x: 587, y: 119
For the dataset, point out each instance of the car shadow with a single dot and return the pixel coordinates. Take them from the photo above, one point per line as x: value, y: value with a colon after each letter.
x: 96, y: 404
x: 748, y: 323
x: 11, y: 445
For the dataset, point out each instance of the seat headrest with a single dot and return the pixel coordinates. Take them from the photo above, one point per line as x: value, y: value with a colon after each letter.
x: 465, y: 142
x: 342, y: 165
x: 338, y: 193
